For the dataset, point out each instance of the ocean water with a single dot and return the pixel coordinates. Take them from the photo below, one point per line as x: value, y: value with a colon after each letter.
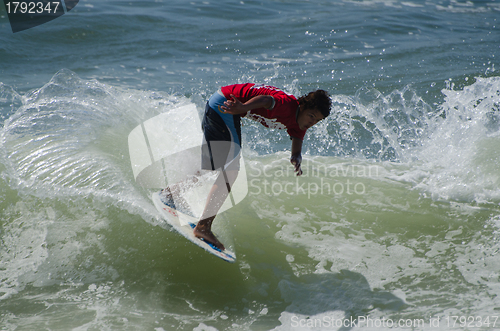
x: 395, y: 223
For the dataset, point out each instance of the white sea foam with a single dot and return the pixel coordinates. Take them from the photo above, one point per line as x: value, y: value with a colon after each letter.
x: 460, y: 158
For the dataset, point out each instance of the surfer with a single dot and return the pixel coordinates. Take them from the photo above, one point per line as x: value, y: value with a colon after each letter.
x: 221, y: 125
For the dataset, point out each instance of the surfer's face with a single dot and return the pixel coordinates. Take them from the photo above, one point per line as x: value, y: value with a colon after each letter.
x: 308, y: 118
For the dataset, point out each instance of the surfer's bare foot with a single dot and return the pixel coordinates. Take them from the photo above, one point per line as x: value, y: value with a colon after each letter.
x: 173, y: 199
x: 203, y: 230
x: 167, y: 193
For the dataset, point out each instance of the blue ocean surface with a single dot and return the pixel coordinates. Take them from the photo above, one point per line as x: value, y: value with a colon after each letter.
x: 394, y: 224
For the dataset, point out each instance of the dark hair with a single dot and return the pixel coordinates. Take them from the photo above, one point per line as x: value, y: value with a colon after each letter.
x: 319, y: 100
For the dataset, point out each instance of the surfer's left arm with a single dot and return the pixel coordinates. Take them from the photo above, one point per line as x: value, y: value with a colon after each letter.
x: 296, y: 158
x: 236, y: 107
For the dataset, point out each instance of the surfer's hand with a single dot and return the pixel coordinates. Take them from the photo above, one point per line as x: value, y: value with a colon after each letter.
x: 234, y: 107
x: 296, y: 160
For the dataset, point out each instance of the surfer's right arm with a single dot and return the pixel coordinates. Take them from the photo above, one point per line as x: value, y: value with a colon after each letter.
x: 296, y: 158
x: 236, y: 107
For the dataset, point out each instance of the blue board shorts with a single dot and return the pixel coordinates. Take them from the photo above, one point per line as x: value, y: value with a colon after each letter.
x: 221, y: 136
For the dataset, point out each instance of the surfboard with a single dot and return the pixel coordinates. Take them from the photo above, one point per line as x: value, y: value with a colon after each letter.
x: 183, y: 221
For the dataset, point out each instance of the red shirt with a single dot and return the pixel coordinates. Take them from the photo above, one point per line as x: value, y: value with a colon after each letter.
x: 282, y: 116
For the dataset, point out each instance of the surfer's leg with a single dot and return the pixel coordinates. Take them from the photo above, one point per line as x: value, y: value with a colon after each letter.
x: 220, y: 151
x: 218, y: 194
x: 216, y: 198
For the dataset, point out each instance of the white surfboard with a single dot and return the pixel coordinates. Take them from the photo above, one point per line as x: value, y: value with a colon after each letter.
x: 184, y: 224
